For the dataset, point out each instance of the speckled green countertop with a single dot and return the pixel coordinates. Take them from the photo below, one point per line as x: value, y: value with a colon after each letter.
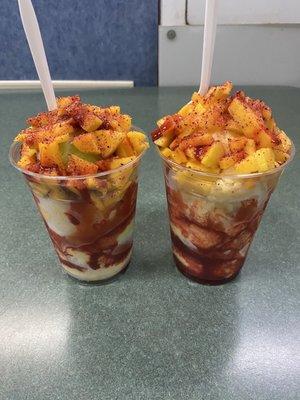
x: 152, y: 334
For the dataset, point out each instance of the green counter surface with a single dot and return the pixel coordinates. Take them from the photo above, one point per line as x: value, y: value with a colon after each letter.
x: 152, y: 334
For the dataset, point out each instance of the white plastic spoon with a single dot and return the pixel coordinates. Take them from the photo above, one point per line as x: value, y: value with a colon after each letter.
x: 210, y: 27
x: 34, y: 38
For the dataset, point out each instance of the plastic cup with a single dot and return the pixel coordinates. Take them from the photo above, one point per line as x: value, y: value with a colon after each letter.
x: 90, y: 219
x: 213, y: 218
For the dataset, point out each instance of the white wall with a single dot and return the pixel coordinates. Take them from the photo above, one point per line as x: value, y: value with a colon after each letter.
x: 258, y: 42
x: 239, y: 12
x: 173, y: 12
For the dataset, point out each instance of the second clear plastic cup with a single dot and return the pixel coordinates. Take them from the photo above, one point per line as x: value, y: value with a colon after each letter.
x: 213, y: 219
x: 90, y: 219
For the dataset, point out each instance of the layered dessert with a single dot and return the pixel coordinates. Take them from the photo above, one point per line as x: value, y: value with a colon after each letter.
x: 223, y: 155
x: 81, y: 163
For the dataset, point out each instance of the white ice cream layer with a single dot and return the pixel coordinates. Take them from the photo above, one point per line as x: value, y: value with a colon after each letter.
x: 228, y: 188
x: 53, y: 212
x: 228, y: 191
x: 126, y: 235
x: 100, y: 274
x: 77, y: 257
x: 184, y: 239
x: 180, y: 258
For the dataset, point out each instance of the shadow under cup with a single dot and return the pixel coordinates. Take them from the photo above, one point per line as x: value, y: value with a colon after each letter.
x: 90, y: 219
x: 213, y: 219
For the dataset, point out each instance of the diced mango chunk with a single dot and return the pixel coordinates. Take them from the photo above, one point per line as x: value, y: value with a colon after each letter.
x: 63, y: 102
x: 237, y: 144
x: 178, y: 156
x: 281, y: 156
x: 138, y: 141
x: 191, y: 152
x: 260, y: 161
x: 213, y: 155
x: 198, y: 166
x: 87, y: 143
x: 227, y: 162
x: 270, y: 124
x: 50, y: 155
x: 161, y: 121
x: 121, y: 122
x: 185, y: 110
x: 250, y: 146
x: 108, y: 141
x: 60, y: 129
x: 45, y: 135
x: 165, y: 139
x: 20, y: 137
x: 285, y: 144
x: 264, y: 139
x: 197, y: 98
x: 205, y: 140
x: 166, y: 152
x: 266, y: 113
x: 114, y: 110
x: 195, y: 140
x: 28, y: 156
x: 43, y: 119
x: 97, y: 199
x: 265, y: 159
x: 125, y: 149
x: 234, y: 127
x: 119, y: 162
x: 248, y: 120
x: 90, y: 122
x: 199, y: 108
x: 220, y: 92
x: 78, y: 166
x: 28, y: 151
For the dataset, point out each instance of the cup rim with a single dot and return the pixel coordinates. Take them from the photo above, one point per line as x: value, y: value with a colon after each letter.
x: 15, y: 146
x: 232, y: 176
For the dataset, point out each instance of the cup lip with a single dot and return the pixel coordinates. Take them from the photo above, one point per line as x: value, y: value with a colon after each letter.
x: 15, y: 145
x: 232, y: 176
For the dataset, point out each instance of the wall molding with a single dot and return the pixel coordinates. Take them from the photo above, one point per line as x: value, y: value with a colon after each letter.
x: 65, y: 84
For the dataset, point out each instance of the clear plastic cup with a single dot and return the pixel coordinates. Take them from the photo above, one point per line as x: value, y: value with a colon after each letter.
x: 213, y: 218
x: 90, y: 219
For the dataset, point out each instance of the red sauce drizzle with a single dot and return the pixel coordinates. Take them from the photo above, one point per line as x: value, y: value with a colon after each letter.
x: 216, y: 253
x: 96, y: 235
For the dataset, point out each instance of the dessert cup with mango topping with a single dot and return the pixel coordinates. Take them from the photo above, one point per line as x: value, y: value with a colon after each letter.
x: 90, y: 219
x: 213, y: 219
x: 222, y: 158
x: 88, y: 201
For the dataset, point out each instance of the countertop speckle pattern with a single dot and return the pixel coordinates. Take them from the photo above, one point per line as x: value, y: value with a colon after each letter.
x: 152, y: 334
